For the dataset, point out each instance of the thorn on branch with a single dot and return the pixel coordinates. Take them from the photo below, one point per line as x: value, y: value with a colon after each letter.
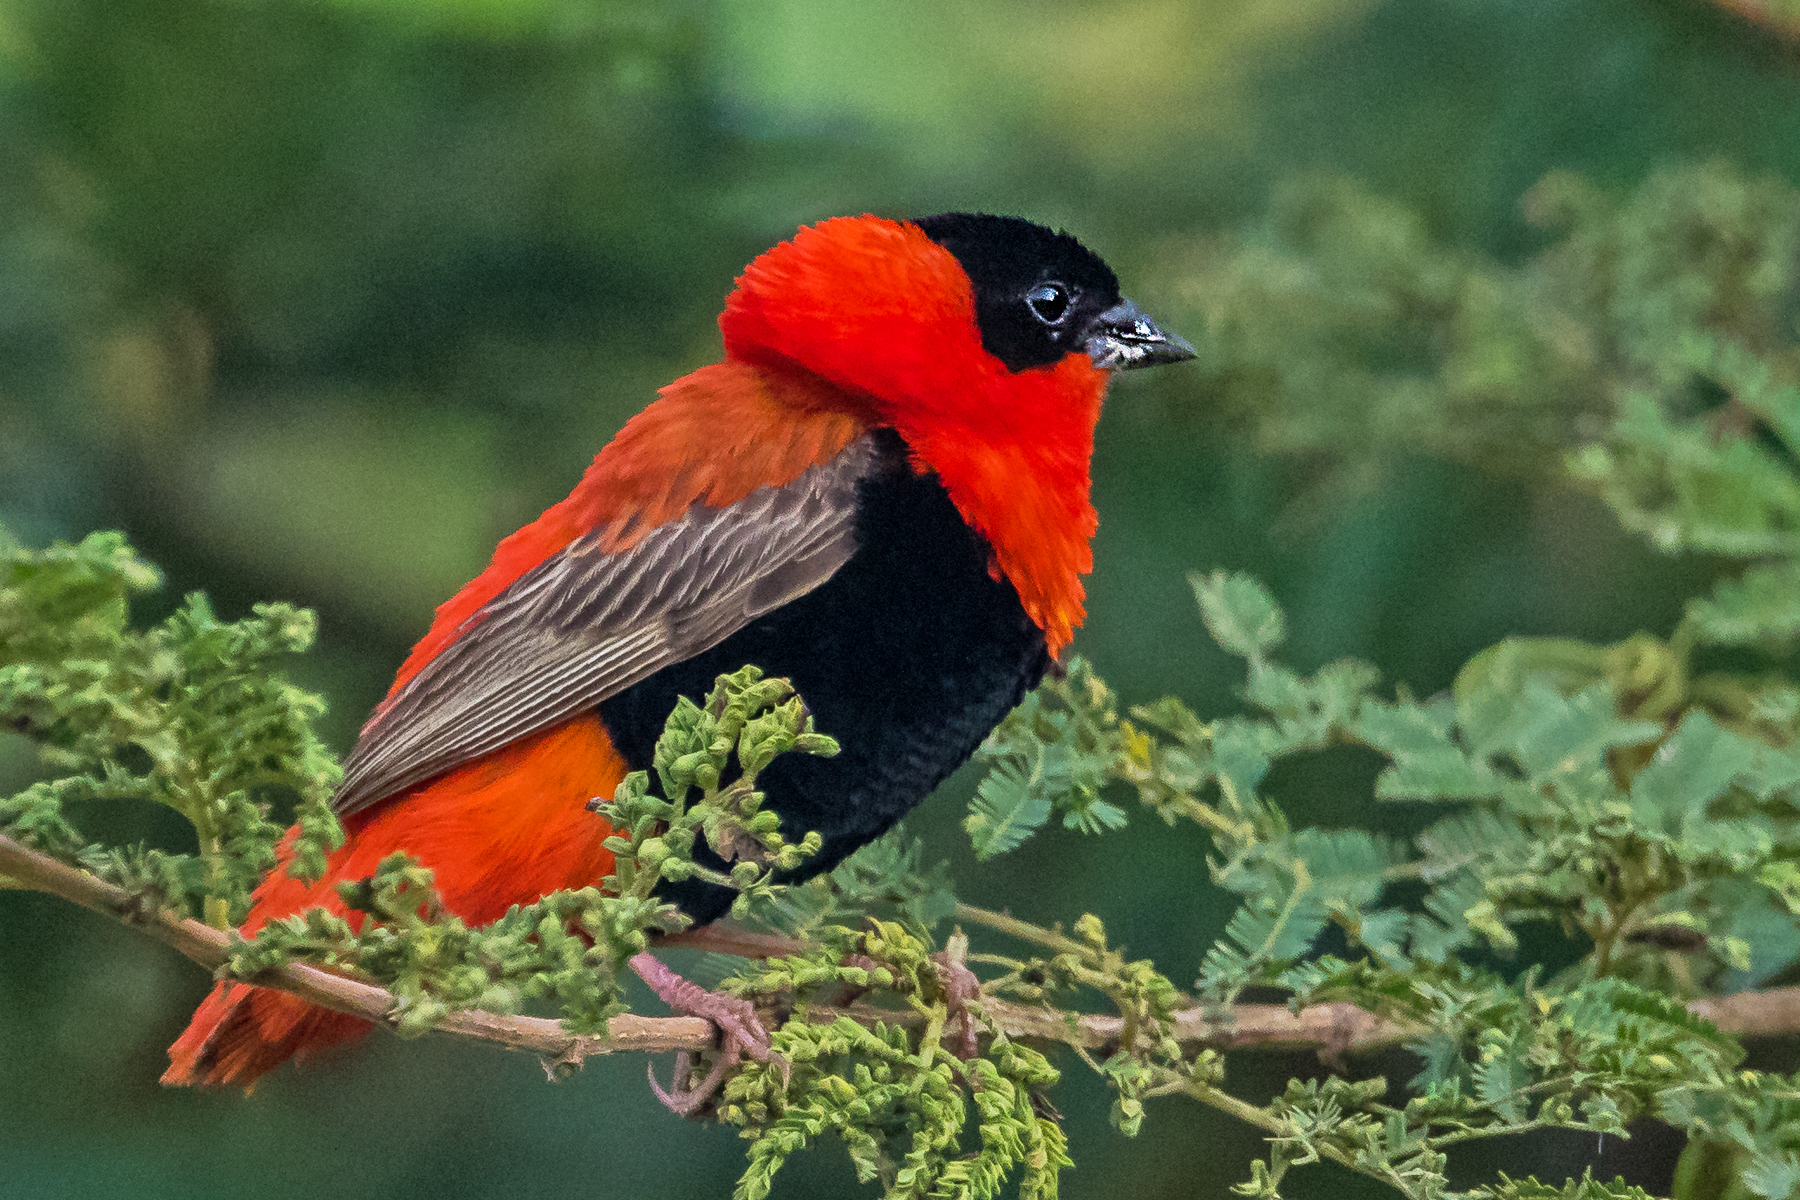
x: 960, y: 986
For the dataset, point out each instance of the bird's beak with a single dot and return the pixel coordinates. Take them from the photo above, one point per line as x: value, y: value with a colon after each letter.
x: 1122, y: 338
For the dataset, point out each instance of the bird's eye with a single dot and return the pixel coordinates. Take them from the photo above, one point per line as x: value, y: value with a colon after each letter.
x: 1049, y: 302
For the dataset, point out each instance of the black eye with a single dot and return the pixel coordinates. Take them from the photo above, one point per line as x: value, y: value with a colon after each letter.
x: 1049, y: 302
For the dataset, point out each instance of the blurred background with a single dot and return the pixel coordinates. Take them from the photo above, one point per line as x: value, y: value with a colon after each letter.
x: 317, y: 299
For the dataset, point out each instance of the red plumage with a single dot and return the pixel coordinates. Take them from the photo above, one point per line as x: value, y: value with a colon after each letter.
x: 854, y: 325
x: 499, y: 831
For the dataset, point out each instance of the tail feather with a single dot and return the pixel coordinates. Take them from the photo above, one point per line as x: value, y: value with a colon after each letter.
x: 241, y: 1033
x: 499, y: 831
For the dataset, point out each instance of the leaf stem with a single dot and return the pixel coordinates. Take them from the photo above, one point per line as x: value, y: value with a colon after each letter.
x: 1025, y: 931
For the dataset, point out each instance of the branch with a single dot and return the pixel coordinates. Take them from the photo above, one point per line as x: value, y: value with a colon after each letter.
x: 1329, y: 1028
x: 208, y: 947
x: 723, y: 939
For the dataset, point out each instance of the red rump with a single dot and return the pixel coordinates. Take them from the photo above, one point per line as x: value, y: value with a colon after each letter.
x: 499, y: 831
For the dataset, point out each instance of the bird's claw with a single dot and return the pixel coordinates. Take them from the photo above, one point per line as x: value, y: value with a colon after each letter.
x: 686, y: 1101
x: 741, y: 1033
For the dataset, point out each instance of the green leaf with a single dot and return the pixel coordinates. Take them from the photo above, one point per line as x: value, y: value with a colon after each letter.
x: 1065, y: 742
x: 1344, y: 866
x: 1310, y: 712
x: 1551, y: 734
x: 1005, y: 811
x: 1504, y: 669
x: 1689, y: 771
x: 1239, y: 612
x: 1773, y: 1177
x: 1502, y: 1076
x: 1585, y: 1188
x: 1428, y: 764
x: 1240, y: 762
x: 1762, y: 604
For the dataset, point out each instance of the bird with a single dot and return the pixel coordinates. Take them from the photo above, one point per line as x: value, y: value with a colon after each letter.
x: 881, y: 492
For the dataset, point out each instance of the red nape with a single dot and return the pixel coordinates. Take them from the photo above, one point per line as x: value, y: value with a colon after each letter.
x: 498, y: 831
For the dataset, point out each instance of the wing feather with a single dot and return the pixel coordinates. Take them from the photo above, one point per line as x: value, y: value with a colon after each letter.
x: 584, y: 624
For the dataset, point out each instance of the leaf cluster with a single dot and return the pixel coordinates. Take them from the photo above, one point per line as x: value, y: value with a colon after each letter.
x: 570, y: 945
x: 745, y: 723
x: 1339, y: 326
x: 190, y: 714
x: 898, y: 1092
x: 886, y: 878
x: 1044, y: 758
x: 1580, y: 788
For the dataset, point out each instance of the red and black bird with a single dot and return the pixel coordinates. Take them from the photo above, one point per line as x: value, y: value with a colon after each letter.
x: 881, y: 493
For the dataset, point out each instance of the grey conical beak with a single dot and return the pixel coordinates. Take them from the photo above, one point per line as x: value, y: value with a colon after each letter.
x: 1122, y: 338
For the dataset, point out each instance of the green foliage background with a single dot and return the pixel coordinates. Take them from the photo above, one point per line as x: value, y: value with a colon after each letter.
x: 317, y: 300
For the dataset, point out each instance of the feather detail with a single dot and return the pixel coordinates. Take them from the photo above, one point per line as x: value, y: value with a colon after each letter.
x: 713, y: 436
x: 588, y: 622
x: 500, y: 831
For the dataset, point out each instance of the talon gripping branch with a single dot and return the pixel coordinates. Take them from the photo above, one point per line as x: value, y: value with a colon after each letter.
x: 881, y: 493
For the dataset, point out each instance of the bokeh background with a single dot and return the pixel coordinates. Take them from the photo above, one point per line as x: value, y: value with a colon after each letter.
x: 317, y: 299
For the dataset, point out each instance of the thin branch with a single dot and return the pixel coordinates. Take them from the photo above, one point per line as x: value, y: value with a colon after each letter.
x: 1333, y: 1028
x: 1330, y: 1028
x: 1753, y: 1014
x: 724, y: 939
x: 1025, y: 931
x: 209, y: 947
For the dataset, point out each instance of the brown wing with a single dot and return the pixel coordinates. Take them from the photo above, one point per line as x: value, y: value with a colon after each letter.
x: 584, y: 625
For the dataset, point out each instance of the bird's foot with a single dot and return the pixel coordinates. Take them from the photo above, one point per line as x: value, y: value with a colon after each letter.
x: 741, y: 1033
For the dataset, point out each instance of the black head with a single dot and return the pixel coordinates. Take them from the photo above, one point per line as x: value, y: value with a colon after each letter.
x: 1040, y: 294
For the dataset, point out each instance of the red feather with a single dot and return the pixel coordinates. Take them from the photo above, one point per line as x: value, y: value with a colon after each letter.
x: 502, y: 830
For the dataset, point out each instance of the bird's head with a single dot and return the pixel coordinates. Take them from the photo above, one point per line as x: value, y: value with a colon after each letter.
x: 1040, y: 295
x: 927, y: 319
x: 987, y: 342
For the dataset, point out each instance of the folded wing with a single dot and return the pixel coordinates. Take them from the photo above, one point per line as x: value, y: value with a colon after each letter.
x: 584, y: 625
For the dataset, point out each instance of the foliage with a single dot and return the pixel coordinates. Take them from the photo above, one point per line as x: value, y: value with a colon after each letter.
x: 1042, y: 759
x: 570, y: 945
x: 1639, y: 797
x: 899, y: 1097
x: 887, y: 878
x: 1665, y: 847
x: 188, y: 714
x: 1650, y: 841
x: 1338, y: 326
x: 1642, y: 798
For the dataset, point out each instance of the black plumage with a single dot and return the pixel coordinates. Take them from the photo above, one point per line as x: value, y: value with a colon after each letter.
x: 908, y: 656
x: 1007, y: 259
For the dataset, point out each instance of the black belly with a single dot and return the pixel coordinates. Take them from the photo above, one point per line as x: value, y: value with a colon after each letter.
x: 908, y: 656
